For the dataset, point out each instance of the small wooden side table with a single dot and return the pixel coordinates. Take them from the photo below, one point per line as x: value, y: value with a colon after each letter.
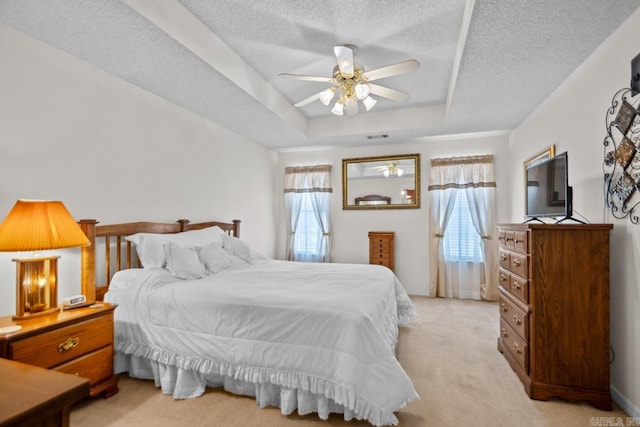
x: 381, y: 248
x: 36, y: 396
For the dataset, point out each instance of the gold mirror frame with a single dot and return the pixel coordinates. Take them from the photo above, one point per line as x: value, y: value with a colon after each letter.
x: 545, y: 154
x: 371, y: 192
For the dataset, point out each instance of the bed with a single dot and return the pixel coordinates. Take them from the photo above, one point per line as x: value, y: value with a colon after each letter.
x: 197, y: 307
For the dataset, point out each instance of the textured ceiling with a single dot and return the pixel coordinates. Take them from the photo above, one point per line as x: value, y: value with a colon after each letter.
x: 485, y: 65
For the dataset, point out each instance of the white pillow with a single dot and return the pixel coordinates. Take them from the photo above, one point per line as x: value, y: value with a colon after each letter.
x: 237, y: 247
x: 214, y: 258
x: 184, y: 263
x: 149, y: 246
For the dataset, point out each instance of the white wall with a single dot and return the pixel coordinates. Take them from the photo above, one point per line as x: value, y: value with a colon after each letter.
x: 573, y: 118
x: 351, y: 227
x: 114, y: 152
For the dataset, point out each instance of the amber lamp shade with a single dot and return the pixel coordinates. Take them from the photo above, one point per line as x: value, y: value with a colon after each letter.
x: 35, y: 225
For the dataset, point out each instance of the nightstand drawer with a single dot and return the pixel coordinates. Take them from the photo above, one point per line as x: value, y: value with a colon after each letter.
x: 55, y: 347
x: 95, y: 366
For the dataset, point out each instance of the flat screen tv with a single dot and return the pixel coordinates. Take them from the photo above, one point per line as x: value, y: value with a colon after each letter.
x: 548, y: 193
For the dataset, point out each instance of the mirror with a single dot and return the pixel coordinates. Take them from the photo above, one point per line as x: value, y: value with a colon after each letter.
x: 384, y: 182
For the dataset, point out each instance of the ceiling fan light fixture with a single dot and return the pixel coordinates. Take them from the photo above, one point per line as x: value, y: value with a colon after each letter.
x: 369, y: 102
x: 362, y: 91
x: 327, y: 95
x: 392, y: 170
x: 338, y: 109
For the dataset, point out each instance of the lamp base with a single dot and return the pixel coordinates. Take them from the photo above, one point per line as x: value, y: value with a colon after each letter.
x: 9, y: 329
x: 26, y: 316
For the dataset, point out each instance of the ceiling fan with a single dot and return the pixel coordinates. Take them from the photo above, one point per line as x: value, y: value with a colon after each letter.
x: 391, y: 169
x: 351, y: 83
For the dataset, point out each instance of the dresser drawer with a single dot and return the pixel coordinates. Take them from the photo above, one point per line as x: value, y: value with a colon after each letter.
x: 380, y: 249
x: 505, y: 259
x: 520, y: 241
x: 504, y: 278
x: 95, y: 366
x: 515, y: 317
x: 55, y: 347
x: 519, y: 264
x: 515, y: 344
x: 379, y: 260
x: 519, y: 288
x: 502, y: 235
x: 508, y: 239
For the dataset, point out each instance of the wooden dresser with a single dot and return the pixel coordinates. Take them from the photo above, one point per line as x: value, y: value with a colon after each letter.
x: 381, y: 249
x: 554, y: 309
x: 78, y: 341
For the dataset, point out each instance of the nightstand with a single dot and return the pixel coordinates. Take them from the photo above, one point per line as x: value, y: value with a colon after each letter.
x: 78, y: 341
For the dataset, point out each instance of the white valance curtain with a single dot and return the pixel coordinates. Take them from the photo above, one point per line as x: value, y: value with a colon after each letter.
x: 314, y: 181
x: 474, y: 175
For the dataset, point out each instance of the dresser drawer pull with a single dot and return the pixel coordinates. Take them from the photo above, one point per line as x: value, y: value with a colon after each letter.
x: 503, y: 307
x: 503, y: 277
x: 517, y: 285
x: 516, y: 262
x: 517, y: 320
x: 68, y: 344
x: 504, y: 332
x: 516, y: 348
x: 503, y: 257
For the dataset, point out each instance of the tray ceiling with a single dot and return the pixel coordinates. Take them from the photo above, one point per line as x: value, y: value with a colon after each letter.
x: 485, y: 65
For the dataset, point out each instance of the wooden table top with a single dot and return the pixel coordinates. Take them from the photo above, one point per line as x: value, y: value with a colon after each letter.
x: 27, y: 391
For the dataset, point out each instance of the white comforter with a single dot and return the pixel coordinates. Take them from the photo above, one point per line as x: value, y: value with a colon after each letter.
x: 323, y: 329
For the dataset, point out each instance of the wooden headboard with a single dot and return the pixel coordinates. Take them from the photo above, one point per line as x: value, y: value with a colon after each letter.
x: 102, y: 238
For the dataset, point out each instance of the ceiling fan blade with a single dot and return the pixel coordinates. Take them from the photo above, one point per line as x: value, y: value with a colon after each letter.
x: 352, y: 108
x: 344, y: 55
x: 307, y: 100
x: 307, y: 78
x: 385, y: 92
x: 392, y: 70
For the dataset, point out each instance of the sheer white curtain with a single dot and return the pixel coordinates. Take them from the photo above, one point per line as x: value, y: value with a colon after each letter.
x: 471, y: 277
x: 307, y: 196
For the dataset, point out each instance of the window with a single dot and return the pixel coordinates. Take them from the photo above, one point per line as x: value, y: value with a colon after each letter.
x: 461, y: 240
x: 307, y: 196
x: 308, y: 233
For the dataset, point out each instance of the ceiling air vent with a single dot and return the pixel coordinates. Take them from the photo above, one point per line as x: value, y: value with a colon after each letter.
x: 381, y: 136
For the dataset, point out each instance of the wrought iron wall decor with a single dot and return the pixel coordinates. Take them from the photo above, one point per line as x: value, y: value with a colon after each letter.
x: 621, y: 164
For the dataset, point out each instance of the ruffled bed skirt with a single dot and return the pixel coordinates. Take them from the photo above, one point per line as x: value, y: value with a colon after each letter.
x: 184, y: 384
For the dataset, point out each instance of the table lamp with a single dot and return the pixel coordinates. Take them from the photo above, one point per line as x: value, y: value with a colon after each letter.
x: 35, y: 225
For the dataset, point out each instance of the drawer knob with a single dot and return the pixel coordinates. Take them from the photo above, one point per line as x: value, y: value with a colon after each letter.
x: 503, y: 307
x: 516, y: 262
x: 517, y: 320
x: 503, y: 257
x: 516, y: 285
x: 68, y: 344
x: 504, y: 332
x: 517, y: 348
x: 503, y: 277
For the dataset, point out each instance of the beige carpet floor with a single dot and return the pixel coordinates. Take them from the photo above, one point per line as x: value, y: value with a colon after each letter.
x: 449, y: 353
